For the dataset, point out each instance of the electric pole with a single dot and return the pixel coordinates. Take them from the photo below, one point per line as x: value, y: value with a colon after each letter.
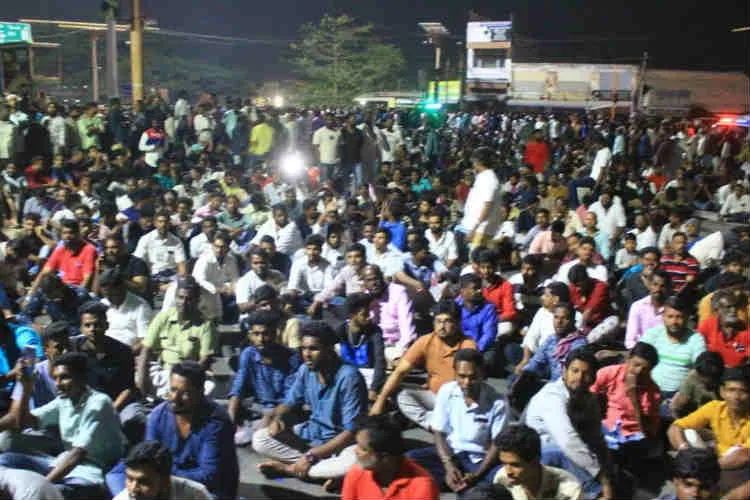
x: 110, y: 14
x: 136, y: 53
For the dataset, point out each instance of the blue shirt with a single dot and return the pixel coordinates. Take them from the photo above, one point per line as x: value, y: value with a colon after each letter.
x: 22, y: 336
x: 544, y: 364
x: 335, y: 405
x: 268, y: 382
x: 426, y: 272
x: 207, y: 455
x: 479, y: 323
x: 398, y: 233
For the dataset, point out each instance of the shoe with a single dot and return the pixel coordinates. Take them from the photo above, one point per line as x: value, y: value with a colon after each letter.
x: 244, y: 435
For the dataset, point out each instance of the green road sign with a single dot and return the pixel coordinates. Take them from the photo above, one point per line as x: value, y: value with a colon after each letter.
x: 15, y: 33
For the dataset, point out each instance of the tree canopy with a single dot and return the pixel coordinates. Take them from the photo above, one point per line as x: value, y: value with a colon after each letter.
x: 338, y: 58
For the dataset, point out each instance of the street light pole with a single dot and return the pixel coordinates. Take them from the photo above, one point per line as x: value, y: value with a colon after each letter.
x: 94, y: 66
x: 113, y: 84
x: 136, y: 53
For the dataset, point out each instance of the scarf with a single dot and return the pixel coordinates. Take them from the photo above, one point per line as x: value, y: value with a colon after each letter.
x: 563, y: 345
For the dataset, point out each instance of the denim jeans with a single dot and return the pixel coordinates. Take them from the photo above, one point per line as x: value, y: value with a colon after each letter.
x: 70, y: 487
x: 553, y: 456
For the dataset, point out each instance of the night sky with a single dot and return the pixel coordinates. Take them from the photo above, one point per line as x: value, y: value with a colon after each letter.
x: 677, y: 33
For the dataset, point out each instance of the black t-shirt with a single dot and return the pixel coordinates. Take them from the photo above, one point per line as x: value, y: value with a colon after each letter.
x: 132, y: 267
x: 111, y: 372
x: 351, y: 146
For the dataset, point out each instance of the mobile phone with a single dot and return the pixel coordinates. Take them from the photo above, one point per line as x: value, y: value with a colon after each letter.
x: 29, y: 356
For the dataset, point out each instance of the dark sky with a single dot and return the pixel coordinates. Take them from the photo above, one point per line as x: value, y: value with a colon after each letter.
x: 677, y: 33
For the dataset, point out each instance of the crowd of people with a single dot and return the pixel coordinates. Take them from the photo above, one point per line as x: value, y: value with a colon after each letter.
x: 364, y: 272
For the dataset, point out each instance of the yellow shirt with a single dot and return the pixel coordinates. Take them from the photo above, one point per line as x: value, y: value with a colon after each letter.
x: 261, y: 139
x: 716, y: 416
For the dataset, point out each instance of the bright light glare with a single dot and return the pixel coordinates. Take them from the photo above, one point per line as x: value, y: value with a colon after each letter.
x: 278, y: 101
x: 292, y: 165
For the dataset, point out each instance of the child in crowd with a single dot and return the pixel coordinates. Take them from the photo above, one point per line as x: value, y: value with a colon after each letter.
x: 627, y: 256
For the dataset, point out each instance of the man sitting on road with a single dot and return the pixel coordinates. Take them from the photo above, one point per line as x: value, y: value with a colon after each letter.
x: 321, y: 447
x: 469, y: 414
x: 433, y: 353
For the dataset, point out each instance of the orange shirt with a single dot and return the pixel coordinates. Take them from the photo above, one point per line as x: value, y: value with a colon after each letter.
x: 733, y: 351
x: 413, y: 483
x: 436, y: 357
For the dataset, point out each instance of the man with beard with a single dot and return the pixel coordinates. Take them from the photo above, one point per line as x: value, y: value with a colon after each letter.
x: 75, y: 259
x: 647, y: 312
x: 148, y: 476
x: 128, y: 315
x: 196, y: 430
x: 433, y: 353
x: 566, y: 416
x: 523, y: 472
x: 86, y: 421
x: 725, y: 332
x: 382, y: 471
x: 585, y: 252
x: 469, y: 413
x: 349, y: 279
x: 548, y: 361
x: 177, y: 334
x: 321, y: 447
x: 130, y: 267
x: 392, y: 311
x: 676, y: 342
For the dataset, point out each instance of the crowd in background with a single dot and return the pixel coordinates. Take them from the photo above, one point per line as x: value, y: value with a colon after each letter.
x: 366, y: 271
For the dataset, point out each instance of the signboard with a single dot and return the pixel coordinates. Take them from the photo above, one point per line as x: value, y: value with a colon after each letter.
x: 573, y: 82
x: 15, y: 33
x: 490, y: 31
x: 448, y: 91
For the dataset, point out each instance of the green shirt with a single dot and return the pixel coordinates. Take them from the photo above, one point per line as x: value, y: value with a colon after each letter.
x: 91, y: 424
x: 178, y: 342
x: 84, y: 122
x: 675, y: 358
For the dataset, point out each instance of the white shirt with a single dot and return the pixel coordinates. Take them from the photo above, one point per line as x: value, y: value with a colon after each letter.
x: 211, y: 276
x: 153, y: 152
x: 182, y: 489
x: 486, y: 189
x: 444, y: 248
x: 609, y: 220
x: 27, y: 485
x: 288, y: 238
x: 547, y: 415
x: 161, y: 254
x: 666, y: 234
x: 181, y: 109
x: 597, y: 272
x: 327, y: 141
x: 601, y: 161
x: 390, y: 262
x: 198, y: 244
x: 274, y: 193
x: 542, y: 327
x: 250, y: 282
x: 305, y: 278
x: 334, y: 256
x: 556, y: 483
x: 645, y: 238
x: 129, y: 321
x: 394, y: 140
x: 56, y: 127
x: 201, y: 123
x: 735, y: 205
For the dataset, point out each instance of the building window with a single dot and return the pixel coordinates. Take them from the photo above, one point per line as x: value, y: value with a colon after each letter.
x: 490, y: 58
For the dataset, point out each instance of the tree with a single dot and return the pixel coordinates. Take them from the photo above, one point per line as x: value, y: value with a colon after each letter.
x: 339, y: 58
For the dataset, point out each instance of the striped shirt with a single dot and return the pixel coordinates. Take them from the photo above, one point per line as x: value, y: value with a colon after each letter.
x: 679, y: 269
x: 676, y: 358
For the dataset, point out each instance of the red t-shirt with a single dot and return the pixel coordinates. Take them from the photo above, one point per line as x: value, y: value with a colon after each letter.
x: 36, y: 179
x: 734, y: 351
x: 597, y: 301
x: 658, y: 180
x: 501, y: 296
x: 73, y: 267
x: 536, y: 155
x: 610, y: 381
x: 413, y: 483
